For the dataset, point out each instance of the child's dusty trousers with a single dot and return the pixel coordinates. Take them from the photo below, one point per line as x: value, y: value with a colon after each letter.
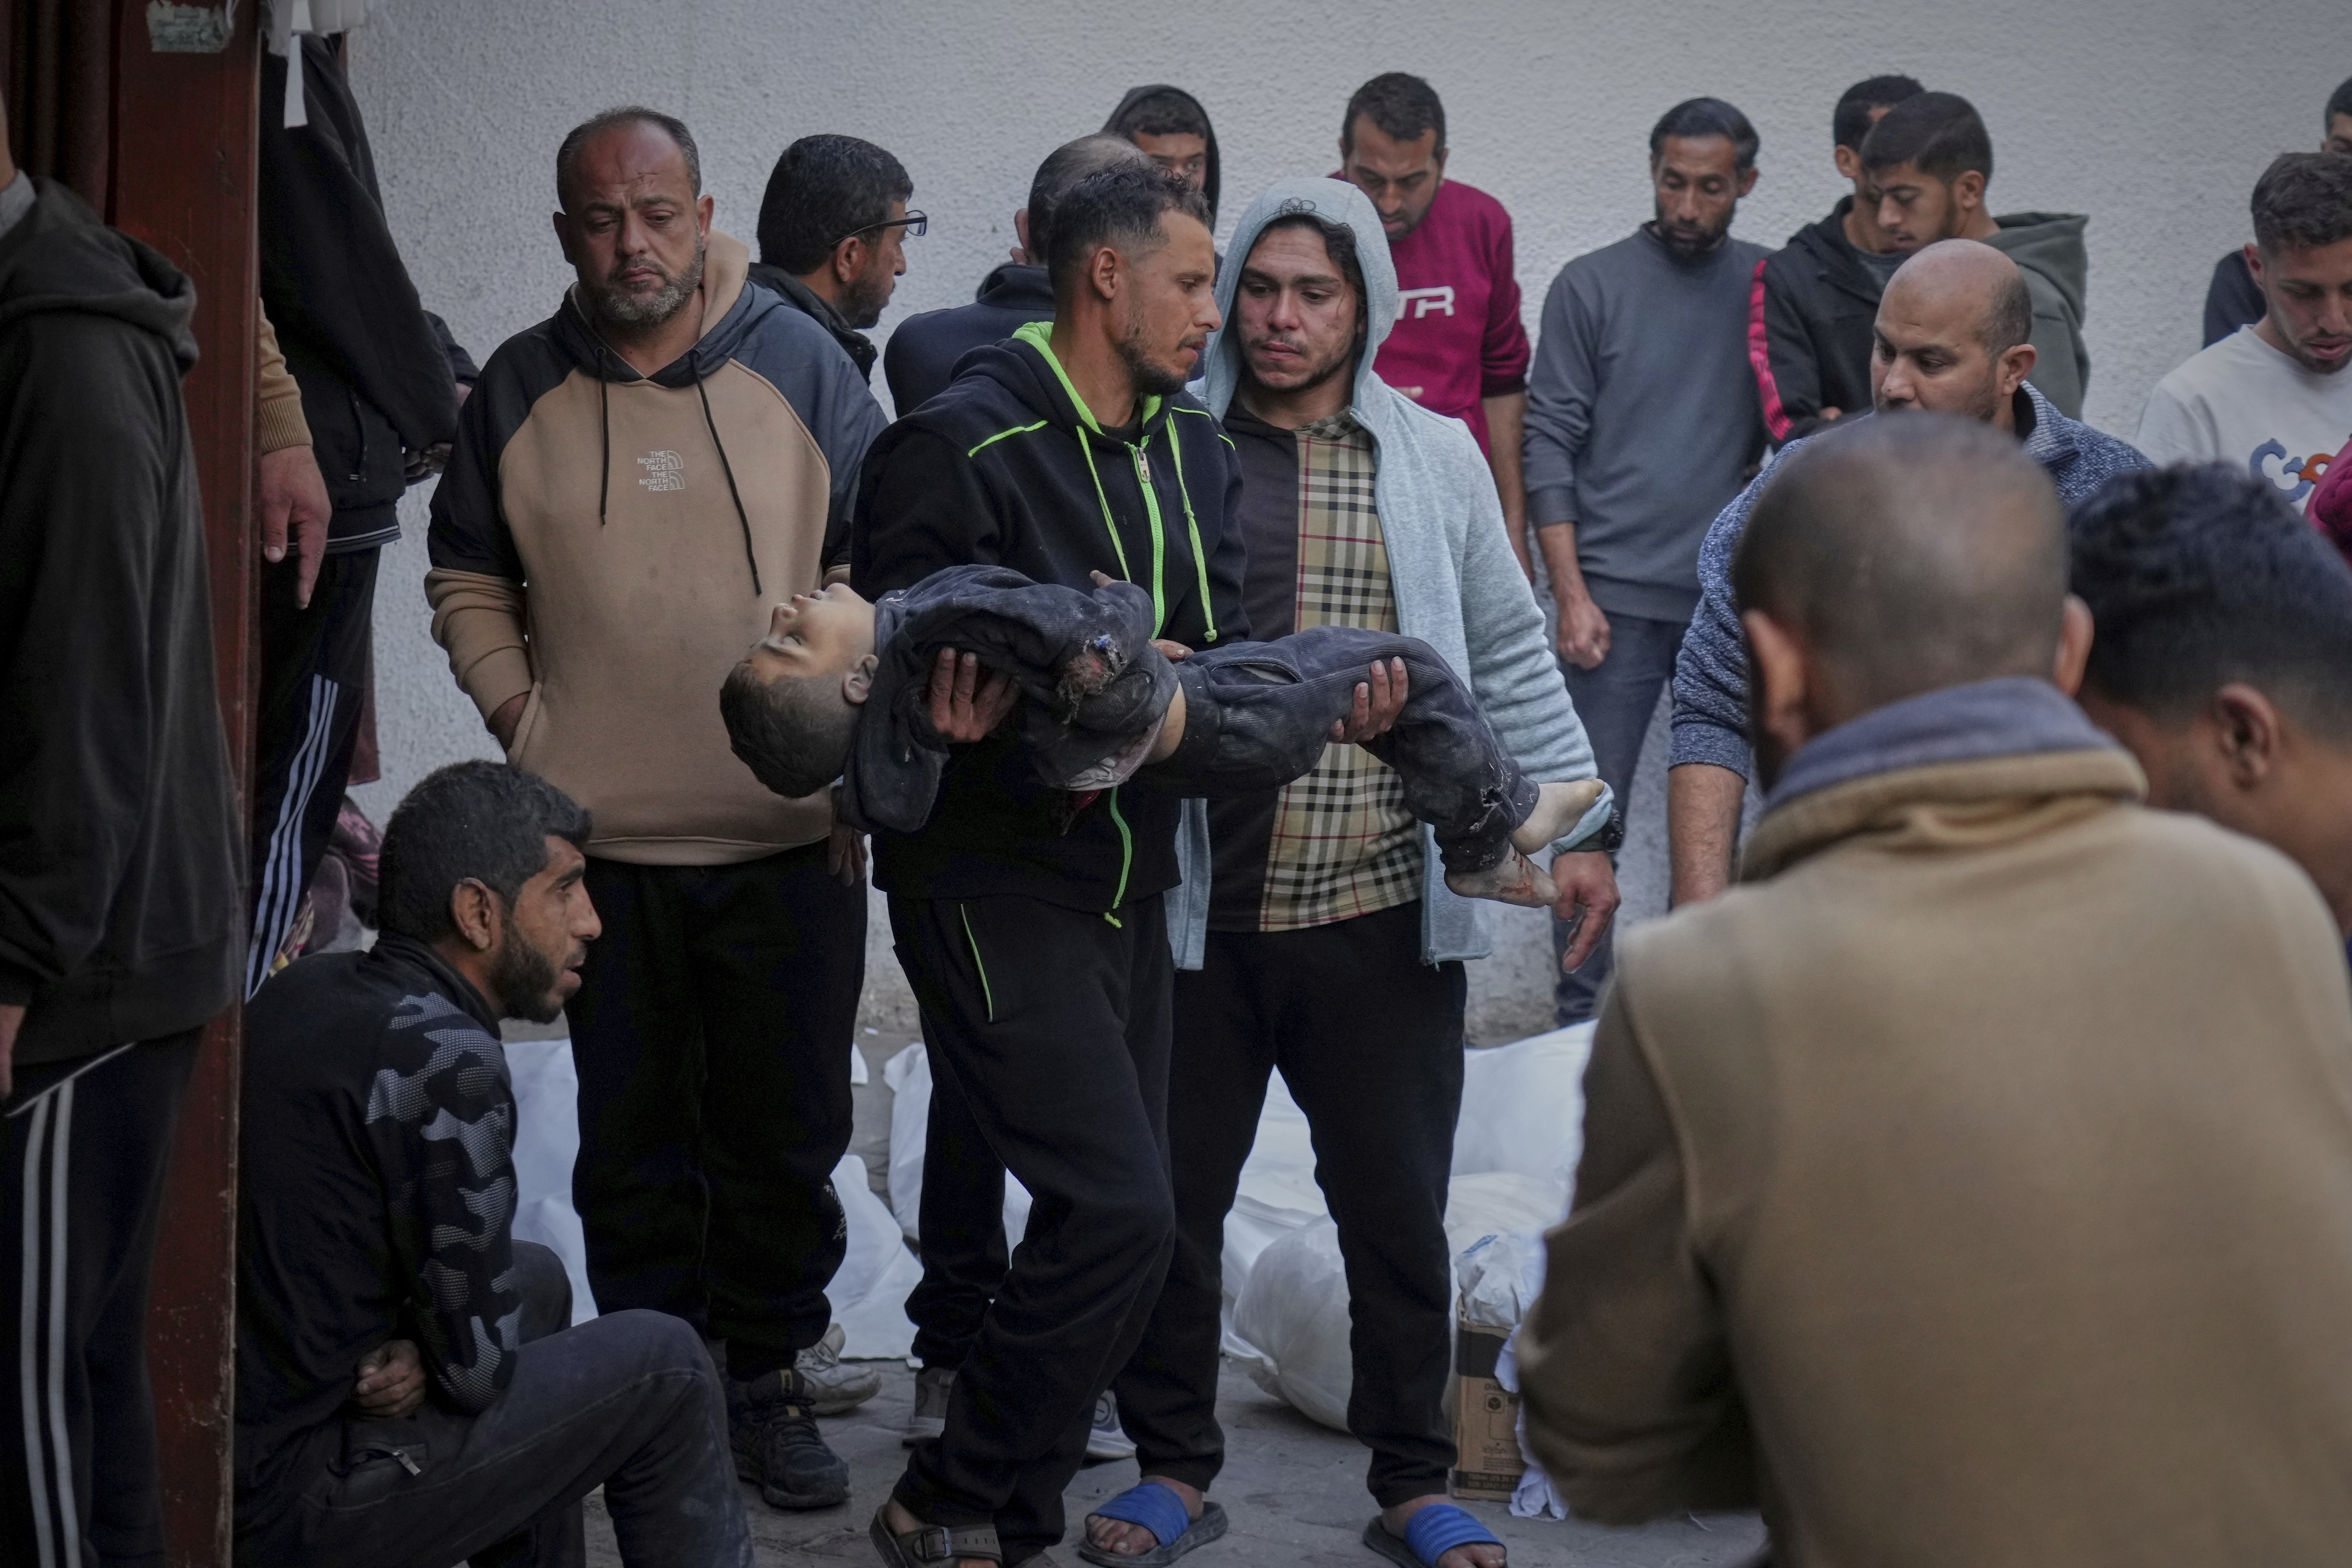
x: 1258, y: 715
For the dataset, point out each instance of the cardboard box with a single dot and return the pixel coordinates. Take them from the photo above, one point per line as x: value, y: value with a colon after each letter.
x: 1486, y: 1418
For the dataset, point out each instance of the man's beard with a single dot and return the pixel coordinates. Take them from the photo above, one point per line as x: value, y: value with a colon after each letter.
x: 1150, y: 379
x: 616, y: 307
x: 1338, y: 364
x: 522, y: 982
x: 861, y: 306
x: 1683, y: 243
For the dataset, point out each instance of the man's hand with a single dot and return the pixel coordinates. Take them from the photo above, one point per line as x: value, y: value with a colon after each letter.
x: 1173, y: 652
x: 1583, y: 631
x: 292, y: 496
x: 1702, y: 827
x: 390, y: 1382
x: 845, y: 855
x: 12, y: 1018
x: 964, y: 706
x: 509, y: 714
x: 1379, y: 700
x: 1587, y: 901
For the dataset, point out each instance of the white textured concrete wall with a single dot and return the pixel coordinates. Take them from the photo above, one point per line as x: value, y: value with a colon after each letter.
x: 2153, y: 118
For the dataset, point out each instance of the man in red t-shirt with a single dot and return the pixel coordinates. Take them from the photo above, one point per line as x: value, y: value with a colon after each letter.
x: 1458, y: 347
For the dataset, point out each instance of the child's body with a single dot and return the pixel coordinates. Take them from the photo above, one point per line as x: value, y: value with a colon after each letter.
x: 1103, y: 703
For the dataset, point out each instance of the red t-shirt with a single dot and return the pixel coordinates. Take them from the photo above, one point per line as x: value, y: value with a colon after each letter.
x: 1458, y: 337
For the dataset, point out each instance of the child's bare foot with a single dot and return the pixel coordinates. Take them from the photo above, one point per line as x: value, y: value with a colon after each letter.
x: 1517, y: 880
x: 1558, y: 807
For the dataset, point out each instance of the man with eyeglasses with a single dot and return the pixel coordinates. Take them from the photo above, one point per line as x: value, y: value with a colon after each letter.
x: 833, y: 230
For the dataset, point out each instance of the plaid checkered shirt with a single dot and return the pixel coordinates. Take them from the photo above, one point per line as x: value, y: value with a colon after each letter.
x: 1343, y: 843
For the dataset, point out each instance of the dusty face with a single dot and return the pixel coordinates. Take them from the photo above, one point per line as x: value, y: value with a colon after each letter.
x: 633, y: 228
x: 1180, y: 152
x: 814, y: 633
x: 1916, y: 210
x: 2309, y: 293
x: 1297, y: 315
x: 535, y: 965
x: 1697, y: 183
x: 1167, y: 305
x: 1400, y: 178
x: 1927, y: 354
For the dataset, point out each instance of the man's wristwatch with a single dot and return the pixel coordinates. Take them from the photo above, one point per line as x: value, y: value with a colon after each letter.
x: 1610, y: 839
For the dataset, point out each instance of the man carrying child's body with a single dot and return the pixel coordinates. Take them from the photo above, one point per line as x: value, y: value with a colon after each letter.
x: 840, y: 686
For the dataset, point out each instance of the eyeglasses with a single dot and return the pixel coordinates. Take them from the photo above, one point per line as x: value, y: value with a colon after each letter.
x: 915, y: 225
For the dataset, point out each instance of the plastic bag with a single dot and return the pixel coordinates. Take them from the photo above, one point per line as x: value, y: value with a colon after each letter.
x: 869, y: 1291
x: 908, y: 1076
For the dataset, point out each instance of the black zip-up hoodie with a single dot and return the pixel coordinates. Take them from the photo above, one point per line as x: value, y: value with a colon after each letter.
x: 121, y: 902
x: 1813, y: 310
x: 1006, y: 467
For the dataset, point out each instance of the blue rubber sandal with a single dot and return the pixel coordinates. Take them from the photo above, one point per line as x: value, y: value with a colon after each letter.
x: 1158, y: 1509
x: 1428, y: 1536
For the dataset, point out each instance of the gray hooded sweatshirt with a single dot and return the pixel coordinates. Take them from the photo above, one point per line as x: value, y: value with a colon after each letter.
x: 2048, y: 249
x: 1458, y: 587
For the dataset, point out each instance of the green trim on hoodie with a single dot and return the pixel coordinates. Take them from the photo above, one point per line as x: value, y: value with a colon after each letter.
x: 1038, y: 335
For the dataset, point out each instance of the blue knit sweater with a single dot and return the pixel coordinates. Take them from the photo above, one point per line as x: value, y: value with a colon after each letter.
x: 1710, y: 716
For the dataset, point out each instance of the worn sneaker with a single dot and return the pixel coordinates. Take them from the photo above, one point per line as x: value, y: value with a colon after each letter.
x: 1108, y: 1439
x: 834, y: 1388
x: 772, y: 1425
x: 931, y: 1418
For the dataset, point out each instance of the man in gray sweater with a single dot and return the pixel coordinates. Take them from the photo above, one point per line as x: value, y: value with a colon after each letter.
x: 1642, y: 421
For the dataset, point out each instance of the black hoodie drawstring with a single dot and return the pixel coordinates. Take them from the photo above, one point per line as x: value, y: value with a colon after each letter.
x: 728, y: 468
x: 605, y: 417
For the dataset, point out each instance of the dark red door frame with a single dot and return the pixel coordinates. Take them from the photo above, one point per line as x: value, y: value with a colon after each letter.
x: 162, y: 143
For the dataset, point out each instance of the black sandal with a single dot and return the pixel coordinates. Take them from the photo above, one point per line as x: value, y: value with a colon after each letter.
x: 933, y: 1545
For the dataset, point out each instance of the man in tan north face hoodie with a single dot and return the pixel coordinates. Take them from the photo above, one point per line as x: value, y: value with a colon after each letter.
x: 635, y: 480
x: 1973, y: 1183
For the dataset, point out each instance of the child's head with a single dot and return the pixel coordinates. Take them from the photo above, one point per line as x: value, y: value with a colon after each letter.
x: 792, y: 705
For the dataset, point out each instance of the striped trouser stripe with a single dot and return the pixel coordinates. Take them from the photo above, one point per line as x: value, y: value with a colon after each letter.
x: 42, y: 1278
x: 283, y: 874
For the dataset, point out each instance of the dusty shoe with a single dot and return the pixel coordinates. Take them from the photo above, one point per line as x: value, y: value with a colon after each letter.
x: 835, y: 1387
x: 1517, y: 880
x: 771, y: 1424
x: 1108, y: 1439
x: 933, y: 1386
x: 1558, y: 808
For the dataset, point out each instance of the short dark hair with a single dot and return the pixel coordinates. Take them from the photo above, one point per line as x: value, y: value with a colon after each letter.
x: 1696, y: 117
x: 476, y: 821
x: 1171, y: 111
x: 2011, y: 320
x: 2198, y: 575
x: 1939, y: 134
x: 567, y: 154
x: 1118, y: 205
x: 1850, y: 122
x: 1064, y: 167
x: 2338, y: 102
x: 1402, y: 105
x: 2302, y: 200
x: 793, y: 732
x: 822, y: 190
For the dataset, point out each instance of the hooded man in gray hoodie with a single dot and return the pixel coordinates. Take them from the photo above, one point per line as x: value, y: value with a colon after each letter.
x: 1314, y: 932
x: 1931, y: 159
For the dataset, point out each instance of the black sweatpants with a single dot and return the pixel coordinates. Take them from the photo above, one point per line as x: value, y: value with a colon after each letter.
x: 314, y: 670
x: 1258, y: 715
x: 627, y: 1401
x: 1368, y: 1039
x: 711, y: 1033
x: 87, y: 1143
x: 1054, y: 1023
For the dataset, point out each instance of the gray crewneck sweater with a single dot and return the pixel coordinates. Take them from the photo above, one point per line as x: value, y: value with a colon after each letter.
x: 1643, y: 418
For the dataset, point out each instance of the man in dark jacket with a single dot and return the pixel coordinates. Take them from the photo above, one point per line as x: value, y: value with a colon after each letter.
x: 120, y: 914
x: 923, y: 352
x: 381, y: 400
x: 1810, y: 314
x: 833, y: 230
x: 1030, y: 921
x: 409, y: 1387
x: 2233, y: 299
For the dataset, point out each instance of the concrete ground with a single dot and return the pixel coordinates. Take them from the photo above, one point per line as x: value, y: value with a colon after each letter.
x: 1294, y: 1491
